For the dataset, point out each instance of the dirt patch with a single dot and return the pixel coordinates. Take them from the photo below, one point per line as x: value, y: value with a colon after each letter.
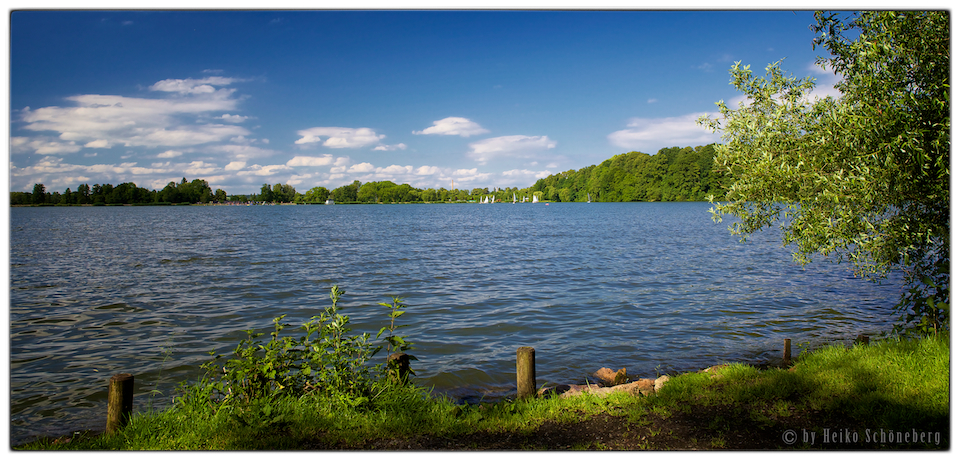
x: 700, y: 428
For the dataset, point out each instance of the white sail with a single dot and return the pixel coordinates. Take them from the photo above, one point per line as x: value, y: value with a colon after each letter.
x: 535, y: 199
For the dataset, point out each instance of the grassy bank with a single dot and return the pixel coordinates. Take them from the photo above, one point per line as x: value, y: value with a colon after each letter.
x: 891, y: 394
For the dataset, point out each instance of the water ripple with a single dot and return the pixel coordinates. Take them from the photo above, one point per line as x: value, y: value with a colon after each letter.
x: 650, y: 287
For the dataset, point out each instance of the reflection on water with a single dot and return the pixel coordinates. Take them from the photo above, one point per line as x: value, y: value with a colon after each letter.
x: 647, y: 286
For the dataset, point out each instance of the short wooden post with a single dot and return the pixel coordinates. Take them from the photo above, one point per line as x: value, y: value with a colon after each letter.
x: 119, y: 402
x: 863, y: 339
x: 399, y: 365
x: 786, y: 351
x: 526, y: 372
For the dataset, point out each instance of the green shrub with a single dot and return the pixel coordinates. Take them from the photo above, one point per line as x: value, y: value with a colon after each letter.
x: 326, y: 360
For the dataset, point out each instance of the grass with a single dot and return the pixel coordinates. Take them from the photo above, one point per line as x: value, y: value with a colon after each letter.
x: 893, y: 387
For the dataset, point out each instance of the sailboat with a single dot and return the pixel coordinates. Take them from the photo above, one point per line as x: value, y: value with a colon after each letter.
x: 588, y: 197
x: 514, y: 197
x: 534, y: 199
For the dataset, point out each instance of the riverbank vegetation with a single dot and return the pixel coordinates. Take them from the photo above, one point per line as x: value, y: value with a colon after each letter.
x: 889, y: 394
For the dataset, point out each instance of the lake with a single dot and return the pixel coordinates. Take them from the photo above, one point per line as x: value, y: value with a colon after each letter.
x: 654, y: 287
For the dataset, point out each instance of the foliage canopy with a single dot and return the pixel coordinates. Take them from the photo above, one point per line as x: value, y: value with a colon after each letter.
x: 865, y: 176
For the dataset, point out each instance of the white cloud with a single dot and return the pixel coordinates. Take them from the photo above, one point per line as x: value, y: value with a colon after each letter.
x: 426, y: 170
x: 297, y: 179
x: 465, y: 177
x: 454, y: 126
x: 303, y: 160
x: 200, y: 168
x: 191, y: 86
x: 98, y: 144
x: 338, y: 137
x: 189, y: 136
x: 395, y: 170
x: 241, y: 151
x: 232, y: 118
x: 653, y: 134
x: 385, y: 147
x: 361, y: 168
x: 106, y: 120
x: 235, y: 165
x: 169, y: 154
x: 527, y: 173
x: 515, y: 146
x: 42, y: 146
x: 259, y: 170
x: 58, y: 175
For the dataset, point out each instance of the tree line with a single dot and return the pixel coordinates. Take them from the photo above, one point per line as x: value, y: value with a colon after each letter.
x: 128, y: 193
x: 673, y: 174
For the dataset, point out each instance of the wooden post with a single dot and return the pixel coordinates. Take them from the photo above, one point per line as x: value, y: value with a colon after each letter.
x: 863, y: 339
x: 786, y: 351
x: 399, y: 365
x: 526, y: 372
x: 119, y: 402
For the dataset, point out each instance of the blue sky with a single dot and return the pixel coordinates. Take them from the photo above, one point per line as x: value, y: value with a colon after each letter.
x: 323, y: 98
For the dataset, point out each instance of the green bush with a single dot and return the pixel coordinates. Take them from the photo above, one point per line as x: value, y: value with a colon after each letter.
x: 325, y: 360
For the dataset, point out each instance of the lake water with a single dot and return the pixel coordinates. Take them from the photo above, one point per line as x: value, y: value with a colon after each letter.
x: 653, y: 287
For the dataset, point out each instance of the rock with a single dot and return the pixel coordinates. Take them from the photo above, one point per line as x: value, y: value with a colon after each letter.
x: 576, y: 389
x: 638, y: 387
x: 658, y: 384
x: 552, y: 391
x: 643, y: 386
x: 610, y: 378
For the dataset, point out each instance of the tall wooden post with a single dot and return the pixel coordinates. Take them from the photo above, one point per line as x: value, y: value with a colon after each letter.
x: 119, y: 402
x: 863, y: 339
x: 786, y: 351
x: 526, y: 372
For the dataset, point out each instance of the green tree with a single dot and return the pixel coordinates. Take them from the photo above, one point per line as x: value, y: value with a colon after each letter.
x: 863, y: 177
x: 199, y: 191
x: 266, y: 193
x: 429, y: 195
x: 83, y: 194
x: 284, y: 193
x: 346, y: 193
x: 39, y: 193
x: 317, y: 194
x: 21, y: 198
x: 368, y: 193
